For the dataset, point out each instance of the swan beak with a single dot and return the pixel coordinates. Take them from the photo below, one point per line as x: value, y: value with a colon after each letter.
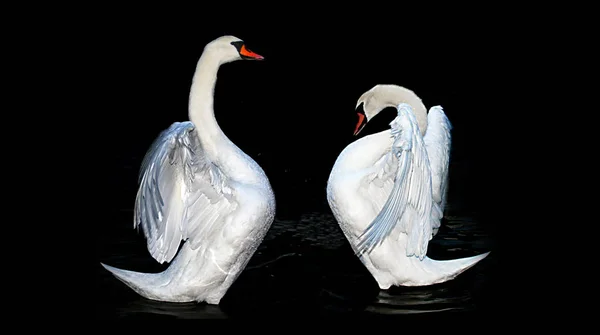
x: 362, y: 121
x: 249, y: 54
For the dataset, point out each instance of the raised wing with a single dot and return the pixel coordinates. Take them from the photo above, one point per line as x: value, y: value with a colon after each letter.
x: 378, y: 184
x: 437, y: 141
x: 410, y: 202
x: 182, y: 194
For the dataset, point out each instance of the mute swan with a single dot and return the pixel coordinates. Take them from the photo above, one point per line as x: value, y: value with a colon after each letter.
x: 199, y: 187
x: 388, y: 190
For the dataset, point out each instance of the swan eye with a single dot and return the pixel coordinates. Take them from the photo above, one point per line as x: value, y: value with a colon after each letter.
x: 238, y: 45
x: 361, y: 108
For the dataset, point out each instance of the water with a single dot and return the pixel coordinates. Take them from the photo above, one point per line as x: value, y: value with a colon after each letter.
x: 304, y: 267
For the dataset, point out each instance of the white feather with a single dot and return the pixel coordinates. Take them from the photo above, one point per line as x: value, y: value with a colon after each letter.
x: 182, y: 194
x: 437, y: 141
x: 409, y: 183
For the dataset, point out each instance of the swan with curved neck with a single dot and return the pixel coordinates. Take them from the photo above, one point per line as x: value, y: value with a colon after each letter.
x: 388, y: 190
x: 198, y: 187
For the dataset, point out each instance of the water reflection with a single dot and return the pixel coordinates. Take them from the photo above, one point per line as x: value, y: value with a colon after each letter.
x: 304, y: 267
x: 420, y: 300
x: 144, y: 308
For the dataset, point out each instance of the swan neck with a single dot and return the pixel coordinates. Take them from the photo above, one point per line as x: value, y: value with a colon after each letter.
x: 393, y: 96
x: 201, y: 100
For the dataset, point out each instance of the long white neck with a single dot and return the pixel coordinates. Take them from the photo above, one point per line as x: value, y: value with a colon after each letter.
x: 215, y: 143
x: 393, y: 95
x: 200, y: 109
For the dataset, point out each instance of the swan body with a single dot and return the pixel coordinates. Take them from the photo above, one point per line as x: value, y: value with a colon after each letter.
x: 198, y: 187
x: 388, y: 190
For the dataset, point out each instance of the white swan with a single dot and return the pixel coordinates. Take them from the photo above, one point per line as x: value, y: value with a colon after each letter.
x: 388, y: 190
x: 199, y: 187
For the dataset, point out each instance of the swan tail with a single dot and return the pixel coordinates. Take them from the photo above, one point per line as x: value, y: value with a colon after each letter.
x: 442, y: 271
x: 143, y: 284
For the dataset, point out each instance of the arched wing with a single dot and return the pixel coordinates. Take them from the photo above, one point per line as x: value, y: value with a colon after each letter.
x: 437, y: 141
x: 378, y: 184
x: 410, y: 202
x: 182, y: 194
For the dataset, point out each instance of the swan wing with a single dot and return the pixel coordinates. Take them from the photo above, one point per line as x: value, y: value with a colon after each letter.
x: 410, y: 201
x: 437, y: 141
x: 377, y: 185
x: 182, y: 194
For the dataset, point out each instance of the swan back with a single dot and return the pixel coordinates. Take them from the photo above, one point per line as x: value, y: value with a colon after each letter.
x: 382, y: 96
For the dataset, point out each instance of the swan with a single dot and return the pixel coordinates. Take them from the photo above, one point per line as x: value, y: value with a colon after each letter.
x: 388, y: 190
x: 198, y: 187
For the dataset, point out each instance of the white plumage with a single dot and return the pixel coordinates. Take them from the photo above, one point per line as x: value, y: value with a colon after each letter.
x: 388, y: 191
x: 198, y: 187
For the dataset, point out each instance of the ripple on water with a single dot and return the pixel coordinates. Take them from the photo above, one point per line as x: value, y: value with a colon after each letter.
x: 308, y: 264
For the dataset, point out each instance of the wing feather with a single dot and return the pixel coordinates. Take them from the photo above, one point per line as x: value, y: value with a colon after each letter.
x: 437, y: 141
x: 182, y: 194
x: 409, y: 205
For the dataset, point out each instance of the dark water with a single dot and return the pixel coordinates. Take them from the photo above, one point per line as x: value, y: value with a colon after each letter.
x: 305, y: 267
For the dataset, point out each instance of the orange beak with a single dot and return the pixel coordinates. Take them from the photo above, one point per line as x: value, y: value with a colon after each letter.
x: 249, y: 54
x: 360, y: 124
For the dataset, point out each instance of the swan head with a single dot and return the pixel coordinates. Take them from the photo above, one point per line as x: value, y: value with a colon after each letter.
x: 230, y: 48
x: 380, y: 97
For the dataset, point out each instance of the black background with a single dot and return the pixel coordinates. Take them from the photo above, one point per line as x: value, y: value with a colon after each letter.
x: 294, y: 112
